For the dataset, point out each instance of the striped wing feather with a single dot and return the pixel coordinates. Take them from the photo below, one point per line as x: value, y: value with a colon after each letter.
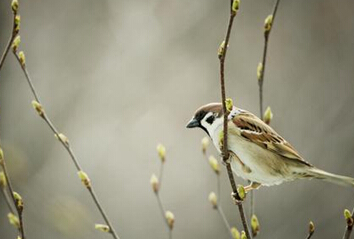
x: 258, y: 132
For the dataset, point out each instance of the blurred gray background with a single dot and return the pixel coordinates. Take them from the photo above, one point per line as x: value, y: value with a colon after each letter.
x: 119, y: 77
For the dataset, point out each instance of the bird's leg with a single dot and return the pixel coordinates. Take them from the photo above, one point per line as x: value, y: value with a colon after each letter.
x: 235, y: 198
x: 248, y: 188
x: 252, y: 186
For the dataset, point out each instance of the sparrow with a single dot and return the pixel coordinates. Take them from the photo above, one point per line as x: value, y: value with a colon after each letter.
x: 257, y: 152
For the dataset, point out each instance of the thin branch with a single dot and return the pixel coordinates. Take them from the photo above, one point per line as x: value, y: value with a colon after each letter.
x: 264, y: 58
x: 227, y: 225
x: 11, y: 192
x: 68, y: 148
x: 7, y: 200
x: 9, y: 43
x: 309, y: 235
x: 219, y: 208
x: 260, y: 83
x: 15, y: 30
x: 161, y: 207
x: 349, y: 228
x: 222, y: 56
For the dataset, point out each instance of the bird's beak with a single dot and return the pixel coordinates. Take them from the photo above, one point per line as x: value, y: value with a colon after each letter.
x: 193, y: 123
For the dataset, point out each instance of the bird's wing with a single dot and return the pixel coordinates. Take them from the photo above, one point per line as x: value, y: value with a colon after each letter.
x: 255, y: 130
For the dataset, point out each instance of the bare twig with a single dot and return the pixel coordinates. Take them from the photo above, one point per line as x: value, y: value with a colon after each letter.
x: 219, y: 207
x: 213, y: 162
x: 267, y: 29
x: 7, y: 183
x: 222, y: 55
x: 260, y: 75
x: 9, y: 43
x: 64, y: 141
x: 311, y: 230
x: 11, y: 192
x: 163, y: 211
x: 309, y: 235
x: 227, y: 225
x: 349, y: 227
x: 156, y: 185
x: 7, y: 200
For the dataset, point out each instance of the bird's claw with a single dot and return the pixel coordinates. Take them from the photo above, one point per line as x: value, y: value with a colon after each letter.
x: 236, y: 199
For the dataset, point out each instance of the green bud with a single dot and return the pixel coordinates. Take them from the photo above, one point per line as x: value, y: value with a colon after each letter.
x: 84, y: 179
x: 154, y: 181
x: 221, y: 49
x: 268, y: 115
x: 14, y: 6
x: 170, y: 218
x: 17, y: 23
x: 235, y: 6
x: 19, y: 201
x: 38, y: 107
x: 3, y: 182
x: 311, y: 227
x: 229, y: 104
x: 349, y: 218
x: 254, y: 225
x: 1, y: 155
x: 213, y: 199
x: 102, y: 227
x: 241, y: 192
x: 16, y: 43
x: 161, y: 150
x: 13, y: 219
x: 205, y: 144
x: 214, y: 164
x: 21, y: 56
x: 62, y: 138
x: 235, y: 233
x: 347, y: 214
x: 268, y: 22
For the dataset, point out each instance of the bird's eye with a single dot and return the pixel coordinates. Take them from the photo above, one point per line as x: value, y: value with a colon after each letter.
x: 210, y: 119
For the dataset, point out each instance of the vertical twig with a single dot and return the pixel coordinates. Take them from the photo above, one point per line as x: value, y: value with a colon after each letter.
x: 19, y: 208
x: 260, y: 76
x: 222, y: 55
x: 215, y: 198
x: 268, y: 27
x: 311, y: 230
x: 349, y: 227
x: 7, y: 200
x: 219, y: 207
x: 11, y: 192
x: 156, y: 183
x: 65, y: 142
x: 9, y: 43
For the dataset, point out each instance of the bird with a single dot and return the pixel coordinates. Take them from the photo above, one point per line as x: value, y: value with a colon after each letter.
x: 257, y: 152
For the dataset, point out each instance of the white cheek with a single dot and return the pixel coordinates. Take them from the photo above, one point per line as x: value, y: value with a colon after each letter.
x: 206, y: 124
x: 216, y: 125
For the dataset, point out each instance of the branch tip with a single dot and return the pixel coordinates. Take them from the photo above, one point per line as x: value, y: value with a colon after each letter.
x: 170, y: 218
x: 154, y: 181
x: 102, y: 228
x: 161, y: 150
x: 235, y: 233
x: 213, y: 199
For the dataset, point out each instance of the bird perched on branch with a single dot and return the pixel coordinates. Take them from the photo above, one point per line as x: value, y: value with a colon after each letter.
x: 257, y: 152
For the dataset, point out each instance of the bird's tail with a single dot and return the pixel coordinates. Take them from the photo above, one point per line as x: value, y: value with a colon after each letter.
x: 330, y: 177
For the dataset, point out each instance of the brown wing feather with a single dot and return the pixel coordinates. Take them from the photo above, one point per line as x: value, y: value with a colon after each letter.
x: 258, y: 132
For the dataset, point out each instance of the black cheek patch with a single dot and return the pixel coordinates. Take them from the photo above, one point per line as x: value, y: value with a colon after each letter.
x: 210, y: 119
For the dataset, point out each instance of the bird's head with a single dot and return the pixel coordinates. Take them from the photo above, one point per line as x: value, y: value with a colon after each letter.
x: 208, y: 117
